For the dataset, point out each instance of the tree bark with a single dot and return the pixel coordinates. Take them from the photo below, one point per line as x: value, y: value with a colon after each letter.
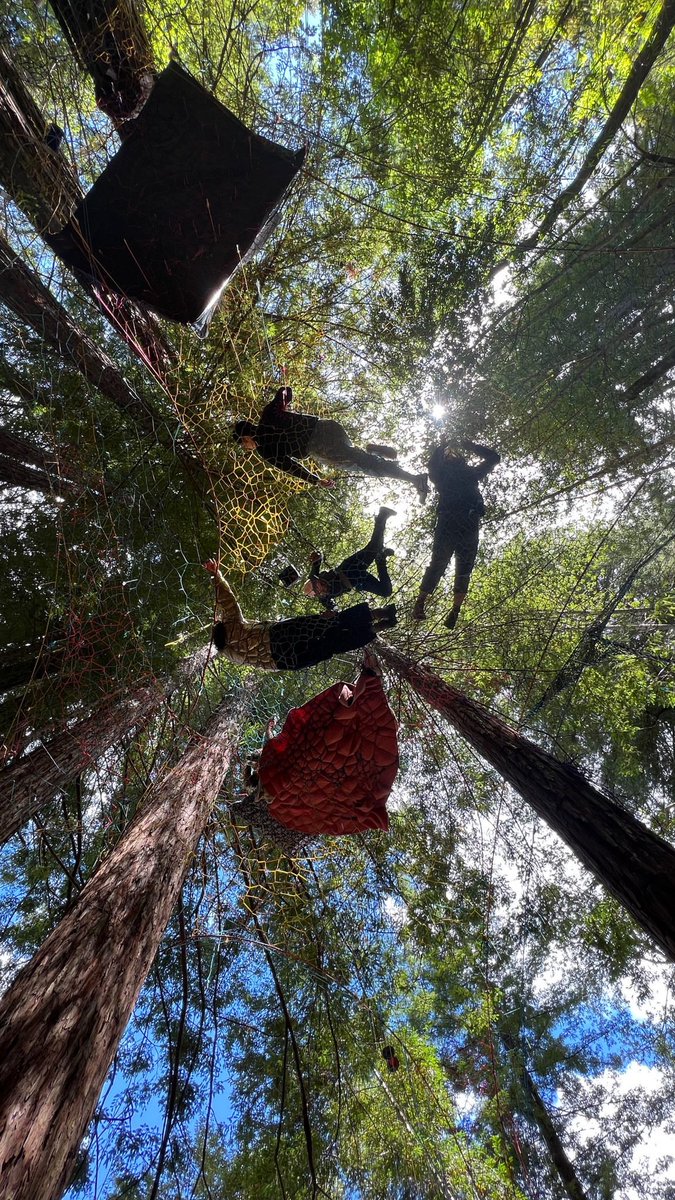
x: 21, y: 664
x: 17, y: 474
x: 31, y: 782
x: 108, y: 38
x: 25, y: 465
x: 536, y: 1108
x: 624, y: 102
x: 559, y: 1157
x: 42, y: 184
x: 39, y: 179
x: 634, y: 864
x: 63, y: 1018
x: 25, y: 294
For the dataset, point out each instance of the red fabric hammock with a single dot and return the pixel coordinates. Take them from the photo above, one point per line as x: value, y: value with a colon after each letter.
x: 333, y: 765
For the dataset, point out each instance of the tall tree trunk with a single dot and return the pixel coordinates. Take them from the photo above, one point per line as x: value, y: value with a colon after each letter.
x: 538, y: 1111
x: 586, y: 651
x: 634, y: 864
x: 46, y: 473
x: 109, y: 39
x: 17, y: 474
x: 623, y: 104
x: 40, y: 180
x: 25, y: 294
x: 62, y: 1019
x: 31, y: 782
x: 21, y: 664
x: 43, y: 185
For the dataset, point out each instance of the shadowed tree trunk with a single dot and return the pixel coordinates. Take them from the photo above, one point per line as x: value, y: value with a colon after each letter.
x: 31, y: 782
x: 634, y: 864
x: 63, y: 1017
x: 24, y: 293
x: 539, y: 1113
x: 42, y: 183
x: 40, y: 180
x: 17, y: 474
x: 43, y: 475
x: 627, y: 96
x: 21, y: 664
x: 109, y: 40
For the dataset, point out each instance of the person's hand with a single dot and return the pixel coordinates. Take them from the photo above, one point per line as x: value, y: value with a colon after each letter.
x: 316, y: 556
x: 329, y: 483
x: 211, y: 566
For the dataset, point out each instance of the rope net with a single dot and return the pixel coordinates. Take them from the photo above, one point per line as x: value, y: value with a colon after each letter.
x: 305, y: 957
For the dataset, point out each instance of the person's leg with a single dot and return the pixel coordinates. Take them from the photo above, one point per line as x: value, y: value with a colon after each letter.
x: 381, y: 468
x: 363, y: 581
x: 355, y: 566
x: 330, y: 443
x: 305, y: 641
x: 442, y: 551
x: 465, y: 557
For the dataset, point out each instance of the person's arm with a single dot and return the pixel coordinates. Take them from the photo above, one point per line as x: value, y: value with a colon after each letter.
x: 489, y: 456
x: 316, y: 559
x: 274, y: 412
x: 226, y: 601
x: 284, y: 462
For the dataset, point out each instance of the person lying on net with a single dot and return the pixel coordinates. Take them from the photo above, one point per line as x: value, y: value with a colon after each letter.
x: 352, y: 574
x: 296, y: 642
x: 282, y: 437
x: 460, y: 508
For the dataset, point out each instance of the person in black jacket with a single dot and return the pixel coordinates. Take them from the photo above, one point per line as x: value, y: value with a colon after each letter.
x: 460, y: 508
x: 281, y: 437
x: 352, y: 573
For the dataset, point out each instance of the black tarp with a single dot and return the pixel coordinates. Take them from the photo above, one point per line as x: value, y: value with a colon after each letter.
x: 188, y: 195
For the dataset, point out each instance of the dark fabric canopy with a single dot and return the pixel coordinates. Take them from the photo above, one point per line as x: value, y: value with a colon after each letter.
x: 189, y: 194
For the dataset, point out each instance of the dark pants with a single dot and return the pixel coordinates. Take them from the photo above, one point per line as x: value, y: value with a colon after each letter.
x: 454, y: 534
x: 354, y: 567
x: 305, y: 641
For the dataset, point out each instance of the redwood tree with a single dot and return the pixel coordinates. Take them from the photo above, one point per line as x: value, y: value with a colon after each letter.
x: 63, y: 1018
x: 634, y: 864
x: 28, y: 784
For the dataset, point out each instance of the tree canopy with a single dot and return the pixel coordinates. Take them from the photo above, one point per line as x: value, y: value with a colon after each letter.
x: 480, y: 244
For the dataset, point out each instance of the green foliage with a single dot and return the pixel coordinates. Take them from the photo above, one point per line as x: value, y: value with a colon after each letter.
x: 466, y: 938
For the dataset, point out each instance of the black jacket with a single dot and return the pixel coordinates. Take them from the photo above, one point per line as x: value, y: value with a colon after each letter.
x: 457, y: 482
x: 284, y: 436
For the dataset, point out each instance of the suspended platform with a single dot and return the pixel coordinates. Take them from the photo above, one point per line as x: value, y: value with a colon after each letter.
x: 190, y: 195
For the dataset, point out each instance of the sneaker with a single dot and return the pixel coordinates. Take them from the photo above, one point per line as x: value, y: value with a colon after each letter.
x: 386, y: 553
x: 451, y: 619
x: 383, y: 451
x: 386, y: 513
x: 418, y: 613
x: 422, y: 486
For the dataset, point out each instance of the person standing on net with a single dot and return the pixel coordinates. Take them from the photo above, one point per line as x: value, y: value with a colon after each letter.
x: 282, y: 437
x: 460, y: 508
x: 352, y: 573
